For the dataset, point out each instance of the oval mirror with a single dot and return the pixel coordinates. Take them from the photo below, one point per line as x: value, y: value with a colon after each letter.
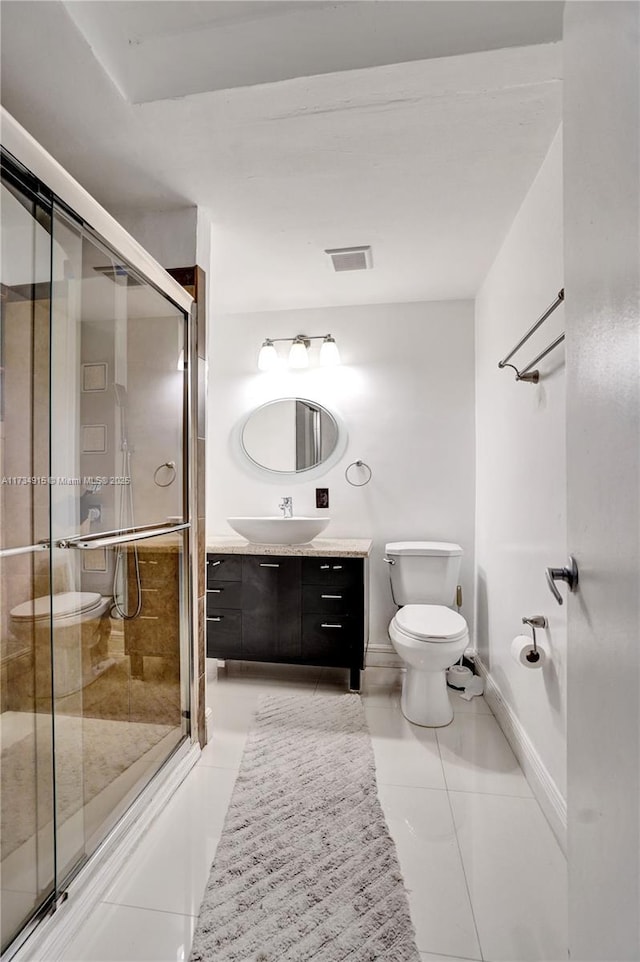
x: 290, y: 435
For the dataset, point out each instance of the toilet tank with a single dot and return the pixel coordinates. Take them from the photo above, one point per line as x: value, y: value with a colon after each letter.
x: 424, y: 572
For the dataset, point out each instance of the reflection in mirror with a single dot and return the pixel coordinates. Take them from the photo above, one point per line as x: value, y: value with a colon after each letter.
x: 290, y: 435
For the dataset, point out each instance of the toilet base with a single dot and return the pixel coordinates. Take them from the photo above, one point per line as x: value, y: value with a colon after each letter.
x: 425, y: 699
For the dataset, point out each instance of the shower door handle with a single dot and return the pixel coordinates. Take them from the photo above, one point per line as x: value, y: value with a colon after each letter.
x: 112, y: 540
x: 568, y: 574
x: 25, y: 549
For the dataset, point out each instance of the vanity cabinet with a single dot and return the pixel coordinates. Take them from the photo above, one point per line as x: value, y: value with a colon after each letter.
x: 156, y: 630
x: 291, y: 609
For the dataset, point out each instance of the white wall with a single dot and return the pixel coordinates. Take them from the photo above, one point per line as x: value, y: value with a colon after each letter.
x: 406, y: 392
x: 169, y: 235
x: 521, y: 477
x: 602, y: 190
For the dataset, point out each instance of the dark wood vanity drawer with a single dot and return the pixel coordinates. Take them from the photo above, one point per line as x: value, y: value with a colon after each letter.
x: 156, y: 567
x: 153, y: 634
x: 224, y: 633
x: 331, y: 599
x: 271, y: 607
x: 224, y: 594
x: 332, y: 571
x: 328, y: 641
x: 158, y: 600
x: 223, y: 567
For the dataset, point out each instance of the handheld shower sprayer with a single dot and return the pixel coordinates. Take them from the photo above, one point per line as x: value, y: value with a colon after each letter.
x: 125, y: 516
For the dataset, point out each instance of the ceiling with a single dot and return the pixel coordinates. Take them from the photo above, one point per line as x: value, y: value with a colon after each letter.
x: 423, y: 149
x: 172, y: 49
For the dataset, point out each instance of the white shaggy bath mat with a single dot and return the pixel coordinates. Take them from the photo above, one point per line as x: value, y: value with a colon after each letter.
x: 90, y: 755
x: 306, y: 868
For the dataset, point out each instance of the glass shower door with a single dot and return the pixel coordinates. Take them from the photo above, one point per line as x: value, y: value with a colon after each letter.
x: 27, y: 839
x: 118, y: 535
x: 94, y: 612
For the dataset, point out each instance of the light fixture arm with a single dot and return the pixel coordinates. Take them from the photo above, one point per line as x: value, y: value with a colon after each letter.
x: 302, y: 338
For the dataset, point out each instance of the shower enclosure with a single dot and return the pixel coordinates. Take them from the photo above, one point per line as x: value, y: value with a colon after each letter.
x: 95, y: 612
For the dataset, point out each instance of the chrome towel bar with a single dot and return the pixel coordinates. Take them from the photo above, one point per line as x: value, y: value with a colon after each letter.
x: 526, y: 374
x: 111, y: 539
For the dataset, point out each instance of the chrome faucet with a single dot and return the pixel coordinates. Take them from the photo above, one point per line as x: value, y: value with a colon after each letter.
x: 286, y: 506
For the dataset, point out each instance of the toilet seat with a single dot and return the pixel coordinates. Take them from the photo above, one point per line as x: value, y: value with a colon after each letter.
x: 430, y: 623
x: 63, y: 605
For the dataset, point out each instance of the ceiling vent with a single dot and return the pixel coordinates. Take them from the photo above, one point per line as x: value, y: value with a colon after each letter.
x: 350, y: 258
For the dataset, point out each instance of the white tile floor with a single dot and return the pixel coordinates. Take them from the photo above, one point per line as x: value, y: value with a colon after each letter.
x: 485, y: 876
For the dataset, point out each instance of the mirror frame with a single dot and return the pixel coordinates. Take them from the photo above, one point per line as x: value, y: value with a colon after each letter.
x: 305, y: 474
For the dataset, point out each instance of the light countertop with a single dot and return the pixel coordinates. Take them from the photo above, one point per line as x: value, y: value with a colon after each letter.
x: 318, y: 548
x: 161, y: 542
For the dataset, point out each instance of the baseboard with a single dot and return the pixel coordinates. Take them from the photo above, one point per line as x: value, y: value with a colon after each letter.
x: 382, y: 656
x: 51, y: 938
x: 542, y: 784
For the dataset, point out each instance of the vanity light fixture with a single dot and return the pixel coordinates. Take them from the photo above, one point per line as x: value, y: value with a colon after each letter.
x: 268, y: 356
x: 329, y: 353
x: 299, y: 353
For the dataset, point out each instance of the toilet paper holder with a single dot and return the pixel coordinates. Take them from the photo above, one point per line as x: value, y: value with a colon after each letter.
x: 535, y: 621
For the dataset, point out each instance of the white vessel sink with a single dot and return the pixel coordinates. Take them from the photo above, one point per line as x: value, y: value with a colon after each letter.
x: 278, y: 530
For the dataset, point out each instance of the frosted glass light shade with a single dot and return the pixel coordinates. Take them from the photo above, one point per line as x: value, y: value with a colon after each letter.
x: 298, y: 355
x: 329, y: 353
x: 268, y: 356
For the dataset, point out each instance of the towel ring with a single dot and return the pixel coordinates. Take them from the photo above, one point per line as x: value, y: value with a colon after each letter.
x: 171, y: 466
x: 358, y: 464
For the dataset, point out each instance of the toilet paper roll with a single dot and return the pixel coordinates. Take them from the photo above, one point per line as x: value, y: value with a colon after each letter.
x: 523, y: 652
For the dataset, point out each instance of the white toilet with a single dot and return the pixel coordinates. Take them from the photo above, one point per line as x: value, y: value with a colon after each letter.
x: 81, y: 629
x: 427, y: 634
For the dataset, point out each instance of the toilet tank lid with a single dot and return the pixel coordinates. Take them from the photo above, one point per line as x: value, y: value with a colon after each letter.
x: 441, y: 548
x: 64, y: 603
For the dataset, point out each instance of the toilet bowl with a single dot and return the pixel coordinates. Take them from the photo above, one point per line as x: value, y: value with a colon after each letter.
x: 429, y: 639
x: 81, y: 629
x: 427, y: 634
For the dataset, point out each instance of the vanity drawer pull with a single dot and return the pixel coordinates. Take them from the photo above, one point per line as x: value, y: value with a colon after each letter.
x: 217, y: 618
x: 216, y: 591
x: 337, y: 567
x: 337, y: 597
x: 266, y: 564
x: 324, y: 567
x: 213, y: 564
x: 325, y: 625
